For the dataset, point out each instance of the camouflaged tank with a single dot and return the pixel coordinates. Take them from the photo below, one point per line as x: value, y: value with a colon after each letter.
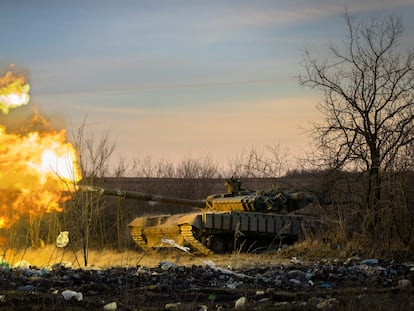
x: 242, y: 220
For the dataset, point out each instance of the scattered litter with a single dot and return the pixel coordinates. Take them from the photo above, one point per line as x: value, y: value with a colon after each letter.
x: 43, y: 272
x: 69, y: 294
x: 212, y: 266
x: 174, y: 244
x: 295, y: 282
x: 62, y: 239
x: 352, y: 260
x: 233, y: 284
x: 141, y: 271
x: 22, y: 264
x: 240, y: 303
x: 110, y: 306
x: 64, y: 264
x: 295, y: 261
x: 166, y: 265
x: 173, y: 306
x: 212, y: 297
x: 219, y: 308
x: 326, y: 274
x: 370, y: 262
x: 299, y: 275
x: 4, y: 264
x: 325, y: 285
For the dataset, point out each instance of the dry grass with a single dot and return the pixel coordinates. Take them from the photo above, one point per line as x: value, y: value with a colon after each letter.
x: 106, y: 258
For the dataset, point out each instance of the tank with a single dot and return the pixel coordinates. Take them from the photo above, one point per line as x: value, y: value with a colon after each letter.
x: 239, y: 220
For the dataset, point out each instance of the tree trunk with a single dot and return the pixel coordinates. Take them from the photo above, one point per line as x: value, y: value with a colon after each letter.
x: 374, y: 188
x: 373, y: 202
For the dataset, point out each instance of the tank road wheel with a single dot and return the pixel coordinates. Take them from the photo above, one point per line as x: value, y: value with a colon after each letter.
x: 187, y: 233
x: 138, y: 237
x: 217, y: 244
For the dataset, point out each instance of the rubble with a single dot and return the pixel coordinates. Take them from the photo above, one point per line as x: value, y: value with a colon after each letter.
x: 317, y: 285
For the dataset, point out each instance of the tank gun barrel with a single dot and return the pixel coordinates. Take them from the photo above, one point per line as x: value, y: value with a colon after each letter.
x: 142, y: 196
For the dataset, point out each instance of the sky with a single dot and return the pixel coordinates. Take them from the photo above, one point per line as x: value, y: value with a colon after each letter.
x: 178, y: 79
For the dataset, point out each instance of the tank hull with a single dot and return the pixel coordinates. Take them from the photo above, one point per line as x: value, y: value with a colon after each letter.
x: 218, y: 232
x: 240, y: 219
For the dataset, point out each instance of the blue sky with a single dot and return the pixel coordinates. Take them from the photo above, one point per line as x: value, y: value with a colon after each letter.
x: 173, y: 79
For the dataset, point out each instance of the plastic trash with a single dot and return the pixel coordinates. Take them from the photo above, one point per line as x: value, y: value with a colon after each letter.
x: 296, y: 261
x: 43, y: 272
x: 174, y: 244
x: 62, y: 239
x: 295, y: 281
x: 325, y: 285
x: 299, y: 275
x: 4, y: 265
x: 173, y: 306
x: 166, y: 265
x: 240, y: 303
x: 22, y: 264
x: 370, y: 262
x: 110, y: 306
x: 69, y: 294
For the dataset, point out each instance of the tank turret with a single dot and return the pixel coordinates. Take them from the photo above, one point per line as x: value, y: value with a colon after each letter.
x: 236, y: 199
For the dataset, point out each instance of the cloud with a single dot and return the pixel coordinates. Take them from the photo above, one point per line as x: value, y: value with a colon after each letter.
x: 261, y: 13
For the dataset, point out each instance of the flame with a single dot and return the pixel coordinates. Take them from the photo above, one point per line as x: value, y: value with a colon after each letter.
x: 38, y: 168
x: 14, y: 92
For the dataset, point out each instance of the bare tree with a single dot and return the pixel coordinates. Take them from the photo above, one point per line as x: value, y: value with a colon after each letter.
x: 368, y: 100
x: 146, y: 166
x: 94, y: 156
x: 270, y: 162
x: 143, y: 166
x: 94, y: 153
x: 165, y: 169
x: 122, y: 168
x: 197, y: 168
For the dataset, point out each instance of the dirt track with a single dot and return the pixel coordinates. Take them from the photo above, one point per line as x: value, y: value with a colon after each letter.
x: 176, y: 281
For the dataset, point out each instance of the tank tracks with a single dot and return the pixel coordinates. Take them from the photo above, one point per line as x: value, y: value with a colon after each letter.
x: 186, y: 232
x: 197, y: 246
x: 137, y: 236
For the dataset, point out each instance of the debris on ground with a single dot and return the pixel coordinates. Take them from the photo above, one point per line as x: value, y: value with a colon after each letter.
x: 321, y: 285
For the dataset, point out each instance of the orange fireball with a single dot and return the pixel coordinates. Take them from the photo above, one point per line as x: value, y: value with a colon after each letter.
x: 37, y: 168
x: 14, y: 92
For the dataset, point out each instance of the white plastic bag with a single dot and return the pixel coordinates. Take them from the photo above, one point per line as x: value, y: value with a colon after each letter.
x: 62, y: 239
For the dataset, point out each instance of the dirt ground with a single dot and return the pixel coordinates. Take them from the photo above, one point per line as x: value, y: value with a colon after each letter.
x: 56, y: 279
